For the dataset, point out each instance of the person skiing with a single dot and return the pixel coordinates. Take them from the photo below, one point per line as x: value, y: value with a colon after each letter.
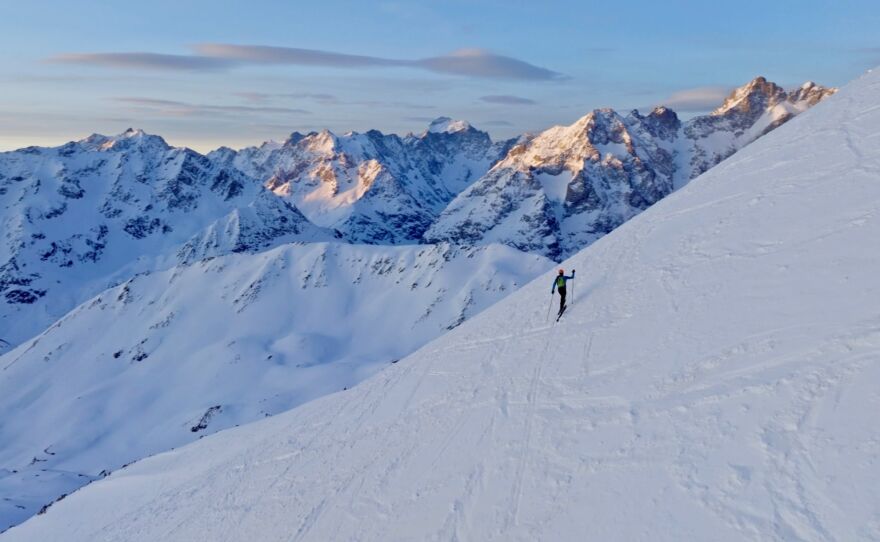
x: 559, y: 284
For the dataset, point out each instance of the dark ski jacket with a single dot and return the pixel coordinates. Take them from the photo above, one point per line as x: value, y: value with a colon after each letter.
x: 564, y: 279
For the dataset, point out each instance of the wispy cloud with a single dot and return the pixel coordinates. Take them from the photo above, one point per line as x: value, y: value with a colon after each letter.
x: 697, y: 99
x: 148, y: 61
x: 265, y: 54
x: 175, y: 108
x: 264, y: 97
x: 505, y: 99
x: 392, y: 104
x: 477, y: 63
x: 324, y: 99
x: 497, y: 123
x: 481, y: 63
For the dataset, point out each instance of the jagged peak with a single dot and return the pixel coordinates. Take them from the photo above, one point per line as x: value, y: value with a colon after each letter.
x: 602, y: 117
x: 758, y: 91
x: 810, y: 93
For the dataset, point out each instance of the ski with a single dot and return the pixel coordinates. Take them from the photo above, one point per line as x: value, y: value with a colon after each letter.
x: 558, y: 316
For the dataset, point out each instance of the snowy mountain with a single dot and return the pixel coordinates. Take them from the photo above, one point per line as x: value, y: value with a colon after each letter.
x: 168, y: 357
x: 570, y: 185
x: 714, y: 379
x: 372, y: 187
x: 92, y: 213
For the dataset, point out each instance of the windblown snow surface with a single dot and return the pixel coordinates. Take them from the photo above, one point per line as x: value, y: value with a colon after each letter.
x: 714, y: 379
x: 168, y: 357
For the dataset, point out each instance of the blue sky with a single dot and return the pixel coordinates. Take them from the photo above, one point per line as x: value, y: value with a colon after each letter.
x: 206, y: 74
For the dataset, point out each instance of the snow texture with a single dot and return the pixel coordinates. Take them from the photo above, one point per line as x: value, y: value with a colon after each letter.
x: 713, y: 379
x: 168, y: 357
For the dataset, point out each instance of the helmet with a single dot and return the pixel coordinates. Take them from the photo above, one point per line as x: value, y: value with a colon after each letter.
x: 562, y: 271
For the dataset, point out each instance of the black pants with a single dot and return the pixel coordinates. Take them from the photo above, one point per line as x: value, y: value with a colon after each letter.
x: 561, y: 290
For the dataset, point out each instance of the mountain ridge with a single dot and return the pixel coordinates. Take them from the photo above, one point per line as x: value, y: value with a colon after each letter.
x: 86, y: 215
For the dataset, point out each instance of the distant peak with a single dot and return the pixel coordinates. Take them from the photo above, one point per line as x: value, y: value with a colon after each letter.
x: 294, y: 138
x: 810, y: 94
x: 445, y: 125
x: 132, y: 137
x: 757, y: 93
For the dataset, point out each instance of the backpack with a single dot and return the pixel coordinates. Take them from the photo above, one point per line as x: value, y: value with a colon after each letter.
x: 560, y: 282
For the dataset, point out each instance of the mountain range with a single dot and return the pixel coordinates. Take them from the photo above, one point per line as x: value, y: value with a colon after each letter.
x: 152, y: 295
x: 90, y: 214
x: 714, y: 377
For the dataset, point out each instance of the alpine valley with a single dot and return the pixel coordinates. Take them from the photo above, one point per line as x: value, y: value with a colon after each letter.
x: 152, y: 295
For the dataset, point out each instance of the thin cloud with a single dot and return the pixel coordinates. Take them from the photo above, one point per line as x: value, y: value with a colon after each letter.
x: 263, y: 97
x: 697, y: 99
x: 148, y: 61
x: 476, y: 63
x: 264, y: 54
x: 505, y: 99
x: 497, y: 123
x: 172, y: 107
x: 481, y: 63
x: 394, y: 104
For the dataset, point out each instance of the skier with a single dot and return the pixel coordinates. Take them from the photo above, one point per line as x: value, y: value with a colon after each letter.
x: 559, y: 284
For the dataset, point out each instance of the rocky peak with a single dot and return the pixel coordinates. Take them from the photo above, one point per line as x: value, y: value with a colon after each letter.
x: 756, y: 96
x: 662, y: 123
x: 809, y: 94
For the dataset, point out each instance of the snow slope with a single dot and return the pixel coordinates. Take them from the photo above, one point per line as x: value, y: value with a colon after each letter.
x: 168, y: 357
x: 714, y: 379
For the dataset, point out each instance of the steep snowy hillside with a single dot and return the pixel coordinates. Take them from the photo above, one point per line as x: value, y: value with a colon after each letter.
x: 570, y: 185
x: 78, y: 218
x: 374, y: 188
x: 168, y: 357
x: 714, y: 379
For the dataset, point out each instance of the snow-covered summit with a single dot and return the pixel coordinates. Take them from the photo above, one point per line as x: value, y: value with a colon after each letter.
x: 713, y: 379
x: 129, y: 139
x: 446, y: 125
